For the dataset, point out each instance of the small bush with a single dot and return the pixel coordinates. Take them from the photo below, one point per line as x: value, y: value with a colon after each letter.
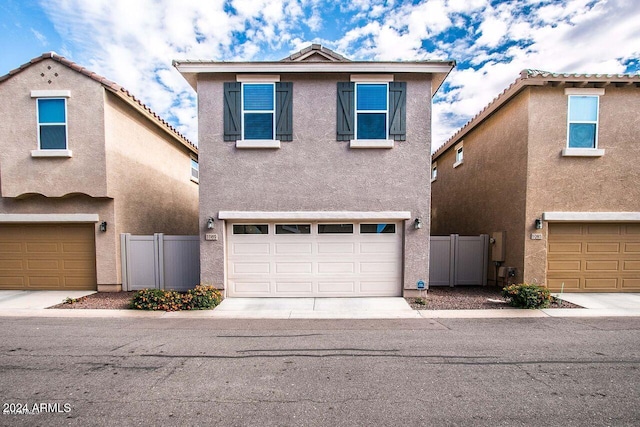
x: 200, y: 298
x: 527, y: 295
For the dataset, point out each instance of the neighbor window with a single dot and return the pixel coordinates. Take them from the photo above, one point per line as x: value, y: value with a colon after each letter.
x: 582, y: 128
x: 195, y: 170
x: 434, y: 172
x: 52, y: 123
x: 258, y: 112
x: 459, y: 155
x: 371, y: 110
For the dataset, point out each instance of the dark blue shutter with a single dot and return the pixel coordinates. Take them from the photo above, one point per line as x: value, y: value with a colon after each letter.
x: 398, y: 111
x: 232, y: 111
x: 345, y: 112
x: 284, y: 111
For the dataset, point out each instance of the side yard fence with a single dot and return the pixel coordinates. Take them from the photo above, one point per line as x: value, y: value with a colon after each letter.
x: 159, y: 261
x: 458, y: 260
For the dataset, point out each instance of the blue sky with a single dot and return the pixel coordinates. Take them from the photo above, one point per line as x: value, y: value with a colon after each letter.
x: 133, y: 42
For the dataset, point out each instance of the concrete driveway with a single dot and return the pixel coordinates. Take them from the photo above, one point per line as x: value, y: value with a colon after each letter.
x: 11, y: 300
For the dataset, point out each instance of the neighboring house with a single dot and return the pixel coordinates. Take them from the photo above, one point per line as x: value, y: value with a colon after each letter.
x: 81, y: 161
x: 553, y: 163
x: 314, y: 174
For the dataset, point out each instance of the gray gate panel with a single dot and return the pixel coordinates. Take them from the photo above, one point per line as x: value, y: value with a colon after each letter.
x: 181, y: 262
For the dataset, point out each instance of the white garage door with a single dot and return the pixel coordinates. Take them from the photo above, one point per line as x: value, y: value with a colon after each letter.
x: 314, y: 259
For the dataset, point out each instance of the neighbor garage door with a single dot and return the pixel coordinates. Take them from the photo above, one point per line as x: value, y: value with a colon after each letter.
x: 50, y: 256
x: 594, y: 257
x: 314, y: 259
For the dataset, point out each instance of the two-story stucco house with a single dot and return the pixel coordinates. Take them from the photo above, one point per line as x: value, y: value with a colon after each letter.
x: 314, y: 174
x: 81, y: 161
x: 550, y: 170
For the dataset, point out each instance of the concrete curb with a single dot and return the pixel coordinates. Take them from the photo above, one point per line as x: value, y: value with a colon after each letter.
x: 507, y: 313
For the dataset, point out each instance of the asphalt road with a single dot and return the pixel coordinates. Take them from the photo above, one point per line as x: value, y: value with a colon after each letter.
x: 450, y: 372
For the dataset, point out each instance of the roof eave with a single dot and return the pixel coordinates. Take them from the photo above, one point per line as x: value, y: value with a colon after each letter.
x: 190, y: 69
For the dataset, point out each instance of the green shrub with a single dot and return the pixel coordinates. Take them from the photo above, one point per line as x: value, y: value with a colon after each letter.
x: 527, y: 295
x: 200, y: 298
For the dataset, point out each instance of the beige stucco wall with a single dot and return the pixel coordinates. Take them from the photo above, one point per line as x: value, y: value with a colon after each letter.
x: 20, y: 173
x: 580, y: 184
x: 149, y: 176
x: 486, y: 193
x: 315, y: 172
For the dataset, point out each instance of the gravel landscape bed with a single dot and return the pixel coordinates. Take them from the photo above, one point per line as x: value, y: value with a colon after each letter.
x: 441, y: 298
x: 468, y: 298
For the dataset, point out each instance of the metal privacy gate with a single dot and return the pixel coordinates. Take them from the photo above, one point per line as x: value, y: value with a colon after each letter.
x: 458, y: 260
x: 160, y: 262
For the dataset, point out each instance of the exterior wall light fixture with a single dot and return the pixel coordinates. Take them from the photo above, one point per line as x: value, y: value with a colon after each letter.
x: 417, y: 224
x: 103, y: 226
x: 210, y: 223
x: 538, y: 224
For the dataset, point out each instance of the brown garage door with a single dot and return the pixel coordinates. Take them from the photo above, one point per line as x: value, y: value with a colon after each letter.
x: 594, y: 257
x: 47, y: 256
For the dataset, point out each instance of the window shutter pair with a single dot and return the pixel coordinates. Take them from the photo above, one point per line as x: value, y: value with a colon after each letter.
x: 397, y: 111
x: 233, y: 111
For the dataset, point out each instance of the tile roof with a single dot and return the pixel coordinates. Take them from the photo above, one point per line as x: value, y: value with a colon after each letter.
x: 315, y: 52
x: 113, y: 87
x: 533, y: 77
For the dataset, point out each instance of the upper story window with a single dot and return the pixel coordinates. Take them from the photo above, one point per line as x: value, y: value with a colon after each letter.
x: 583, y: 109
x: 195, y: 170
x: 51, y: 116
x: 258, y: 111
x: 582, y: 129
x: 371, y: 111
x: 52, y: 123
x: 459, y: 155
x: 434, y: 172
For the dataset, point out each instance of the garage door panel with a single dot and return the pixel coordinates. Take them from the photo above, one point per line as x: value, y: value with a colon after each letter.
x: 376, y: 287
x: 294, y: 267
x: 632, y: 284
x: 41, y: 247
x: 251, y: 267
x: 293, y: 248
x: 250, y: 248
x: 610, y: 256
x: 632, y: 248
x: 569, y: 283
x: 42, y: 282
x: 602, y: 248
x: 336, y: 287
x: 8, y: 247
x: 12, y: 282
x: 565, y: 248
x: 600, y: 283
x: 252, y: 288
x: 293, y: 288
x: 378, y: 267
x: 336, y: 248
x: 378, y: 248
x: 44, y: 264
x: 11, y: 264
x: 336, y: 267
x: 565, y: 265
x: 597, y: 266
x: 631, y: 266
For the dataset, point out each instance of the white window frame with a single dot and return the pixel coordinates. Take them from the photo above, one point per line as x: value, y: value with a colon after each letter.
x: 52, y: 94
x: 583, y: 152
x: 359, y: 79
x: 257, y: 143
x: 434, y: 171
x: 459, y: 153
x: 195, y: 178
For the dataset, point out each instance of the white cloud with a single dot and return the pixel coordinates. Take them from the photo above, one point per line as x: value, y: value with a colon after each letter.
x: 39, y: 36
